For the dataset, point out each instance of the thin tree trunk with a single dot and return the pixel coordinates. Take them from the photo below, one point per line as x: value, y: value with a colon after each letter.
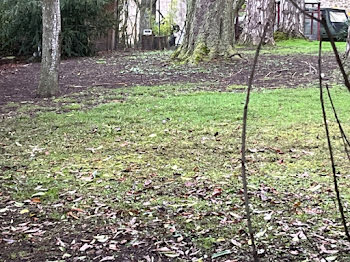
x: 117, y: 18
x: 125, y: 24
x: 49, y: 82
x: 258, y: 13
x: 244, y: 143
x: 292, y: 19
x: 135, y: 27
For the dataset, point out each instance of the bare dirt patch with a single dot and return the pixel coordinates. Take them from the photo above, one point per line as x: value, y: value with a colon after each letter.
x: 18, y: 82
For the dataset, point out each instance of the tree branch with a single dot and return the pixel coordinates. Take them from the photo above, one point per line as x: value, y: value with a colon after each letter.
x: 344, y: 137
x: 335, y: 181
x: 244, y: 141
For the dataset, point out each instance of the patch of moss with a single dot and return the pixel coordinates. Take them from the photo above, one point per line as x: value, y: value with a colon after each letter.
x: 199, y: 53
x: 176, y: 53
x: 73, y: 106
x: 206, y: 242
x: 280, y: 36
x: 11, y: 105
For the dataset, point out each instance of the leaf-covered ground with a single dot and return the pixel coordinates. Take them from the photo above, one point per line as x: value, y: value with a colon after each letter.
x: 152, y: 173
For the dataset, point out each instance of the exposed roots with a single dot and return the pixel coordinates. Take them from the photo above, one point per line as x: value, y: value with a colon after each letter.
x: 202, y: 52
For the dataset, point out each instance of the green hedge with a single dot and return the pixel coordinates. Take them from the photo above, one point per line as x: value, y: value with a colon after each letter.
x: 82, y: 21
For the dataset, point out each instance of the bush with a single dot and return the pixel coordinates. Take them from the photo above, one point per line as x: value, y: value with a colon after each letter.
x: 82, y: 21
x: 20, y: 26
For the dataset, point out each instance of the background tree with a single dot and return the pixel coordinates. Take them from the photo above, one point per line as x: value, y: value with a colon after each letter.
x: 147, y: 10
x: 291, y: 18
x: 20, y: 26
x: 48, y: 85
x: 209, y: 30
x: 258, y: 13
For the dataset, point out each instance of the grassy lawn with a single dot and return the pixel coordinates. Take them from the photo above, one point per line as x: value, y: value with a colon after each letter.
x: 169, y: 156
x: 298, y: 46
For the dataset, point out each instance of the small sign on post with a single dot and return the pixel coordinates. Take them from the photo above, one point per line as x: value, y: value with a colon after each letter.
x: 147, y: 39
x: 147, y: 32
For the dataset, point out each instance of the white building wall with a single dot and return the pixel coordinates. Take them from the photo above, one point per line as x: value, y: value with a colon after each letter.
x: 165, y: 7
x: 342, y: 4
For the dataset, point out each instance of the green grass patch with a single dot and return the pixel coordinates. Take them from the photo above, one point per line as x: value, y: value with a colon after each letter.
x: 297, y: 46
x: 176, y: 149
x: 72, y: 106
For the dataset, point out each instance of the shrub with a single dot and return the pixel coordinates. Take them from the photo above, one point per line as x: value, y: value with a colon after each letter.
x: 82, y: 21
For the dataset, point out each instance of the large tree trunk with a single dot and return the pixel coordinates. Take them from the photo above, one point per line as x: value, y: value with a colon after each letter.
x: 291, y: 19
x: 48, y: 85
x: 209, y: 30
x: 259, y: 12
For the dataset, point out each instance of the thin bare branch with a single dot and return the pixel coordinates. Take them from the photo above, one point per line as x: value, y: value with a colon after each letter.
x: 335, y: 180
x: 346, y: 141
x: 244, y: 141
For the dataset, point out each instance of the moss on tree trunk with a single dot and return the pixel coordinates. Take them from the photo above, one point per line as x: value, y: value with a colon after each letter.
x: 209, y: 31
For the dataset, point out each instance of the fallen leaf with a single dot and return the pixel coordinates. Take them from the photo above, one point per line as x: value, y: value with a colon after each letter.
x: 217, y: 192
x: 35, y: 200
x: 268, y: 216
x: 110, y: 258
x: 332, y: 258
x: 4, y: 210
x: 167, y: 252
x: 78, y: 210
x: 261, y: 233
x: 148, y: 182
x: 101, y: 238
x: 24, y: 211
x: 315, y: 188
x: 236, y: 243
x: 72, y: 215
x: 113, y: 247
x: 18, y: 204
x: 85, y: 247
x: 221, y: 253
x: 38, y: 194
x: 9, y: 241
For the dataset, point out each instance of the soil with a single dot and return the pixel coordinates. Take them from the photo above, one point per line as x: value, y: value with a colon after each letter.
x: 19, y: 80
